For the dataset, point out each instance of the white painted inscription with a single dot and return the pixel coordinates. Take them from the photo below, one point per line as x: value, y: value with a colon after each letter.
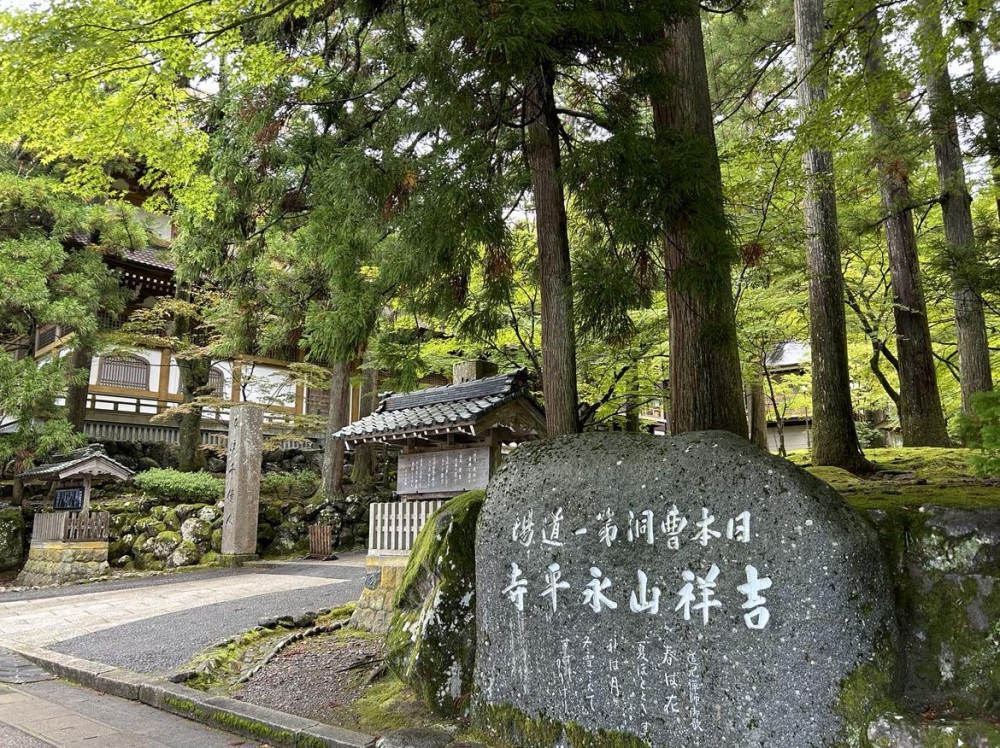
x: 695, y: 598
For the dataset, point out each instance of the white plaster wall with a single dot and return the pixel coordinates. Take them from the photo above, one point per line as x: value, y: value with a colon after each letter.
x: 174, y: 378
x: 796, y: 437
x: 156, y: 223
x: 267, y: 385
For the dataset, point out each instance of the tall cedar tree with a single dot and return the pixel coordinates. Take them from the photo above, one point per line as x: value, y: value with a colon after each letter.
x: 834, y: 437
x: 982, y: 101
x: 705, y: 382
x: 487, y: 78
x: 920, y: 414
x: 555, y: 282
x: 956, y: 205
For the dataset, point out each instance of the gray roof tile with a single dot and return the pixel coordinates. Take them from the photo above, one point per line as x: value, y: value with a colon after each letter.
x: 62, y: 463
x: 452, y: 405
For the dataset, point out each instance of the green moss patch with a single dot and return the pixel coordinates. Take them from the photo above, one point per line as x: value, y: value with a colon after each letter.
x: 431, y: 644
x: 543, y: 732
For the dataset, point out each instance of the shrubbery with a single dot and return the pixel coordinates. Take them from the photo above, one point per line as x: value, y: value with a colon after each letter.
x: 298, y: 485
x: 178, y: 486
x: 981, y: 431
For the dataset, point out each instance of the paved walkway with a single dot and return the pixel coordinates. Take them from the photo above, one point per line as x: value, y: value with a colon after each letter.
x: 157, y: 627
x: 42, y: 622
x: 151, y: 625
x: 56, y: 713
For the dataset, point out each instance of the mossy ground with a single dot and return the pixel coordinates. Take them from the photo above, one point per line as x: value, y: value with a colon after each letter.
x: 909, y: 478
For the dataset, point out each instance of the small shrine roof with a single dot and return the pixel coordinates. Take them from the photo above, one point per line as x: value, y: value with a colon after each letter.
x: 86, y: 461
x: 437, y: 411
x: 151, y: 257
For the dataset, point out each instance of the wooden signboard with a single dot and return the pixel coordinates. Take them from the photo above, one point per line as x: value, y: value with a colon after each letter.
x: 452, y: 471
x: 70, y: 499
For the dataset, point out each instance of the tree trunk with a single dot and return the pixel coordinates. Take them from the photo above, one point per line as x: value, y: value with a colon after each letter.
x: 333, y: 449
x: 76, y: 391
x: 194, y: 375
x: 779, y: 420
x: 363, y: 469
x: 558, y: 334
x: 920, y: 413
x: 706, y: 390
x: 632, y: 402
x: 991, y: 127
x: 835, y: 439
x: 758, y: 413
x: 956, y: 204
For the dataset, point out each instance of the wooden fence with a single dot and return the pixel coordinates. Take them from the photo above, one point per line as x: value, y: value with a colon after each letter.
x: 394, y: 526
x: 321, y: 542
x: 70, y: 526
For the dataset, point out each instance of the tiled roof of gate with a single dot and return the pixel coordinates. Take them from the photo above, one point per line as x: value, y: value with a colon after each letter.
x: 52, y: 470
x: 440, y: 409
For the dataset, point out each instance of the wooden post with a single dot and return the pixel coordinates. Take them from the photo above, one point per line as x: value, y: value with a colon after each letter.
x: 86, y: 494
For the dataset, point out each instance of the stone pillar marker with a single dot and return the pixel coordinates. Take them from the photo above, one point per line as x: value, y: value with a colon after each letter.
x: 239, y: 519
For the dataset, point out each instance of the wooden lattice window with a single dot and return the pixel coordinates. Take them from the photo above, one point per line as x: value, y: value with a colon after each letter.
x: 46, y: 337
x: 217, y: 381
x: 129, y: 372
x: 317, y: 401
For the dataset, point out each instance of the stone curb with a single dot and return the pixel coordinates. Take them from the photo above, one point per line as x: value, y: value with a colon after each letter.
x: 248, y: 720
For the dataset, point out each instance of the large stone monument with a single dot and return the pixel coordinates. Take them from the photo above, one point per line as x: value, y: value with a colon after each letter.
x: 691, y: 591
x: 239, y: 519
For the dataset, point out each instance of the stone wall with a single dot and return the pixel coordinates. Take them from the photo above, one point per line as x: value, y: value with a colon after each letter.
x: 11, y: 538
x: 383, y: 577
x: 145, y: 535
x: 946, y: 564
x: 54, y: 562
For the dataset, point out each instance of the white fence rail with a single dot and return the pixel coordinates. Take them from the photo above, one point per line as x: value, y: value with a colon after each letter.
x: 394, y: 526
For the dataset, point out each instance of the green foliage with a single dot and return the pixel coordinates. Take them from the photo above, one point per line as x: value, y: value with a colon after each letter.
x: 980, y: 430
x: 868, y: 436
x: 53, y: 273
x: 298, y: 485
x: 174, y: 485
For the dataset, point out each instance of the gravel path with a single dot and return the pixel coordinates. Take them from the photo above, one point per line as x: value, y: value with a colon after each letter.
x: 314, y: 678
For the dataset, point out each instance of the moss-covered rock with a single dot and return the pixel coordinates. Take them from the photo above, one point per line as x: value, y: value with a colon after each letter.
x: 151, y: 527
x: 209, y: 514
x: 216, y: 542
x: 431, y: 643
x: 149, y: 562
x: 196, y: 530
x: 271, y: 513
x: 172, y: 520
x: 11, y: 538
x: 164, y: 544
x: 903, y: 731
x: 121, y: 546
x: 286, y: 539
x: 946, y: 564
x: 185, y: 554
